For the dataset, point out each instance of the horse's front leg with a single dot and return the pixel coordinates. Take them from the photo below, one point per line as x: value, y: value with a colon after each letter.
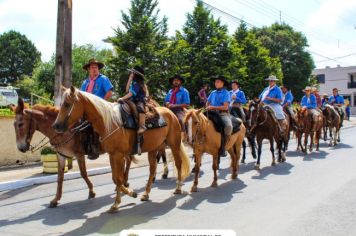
x: 128, y: 161
x: 60, y: 176
x: 165, y: 164
x: 198, y: 156
x: 312, y: 134
x: 259, y: 151
x: 243, y: 152
x: 84, y: 174
x: 215, y: 169
x: 153, y: 166
x: 271, y: 142
x: 305, y: 146
x: 252, y: 144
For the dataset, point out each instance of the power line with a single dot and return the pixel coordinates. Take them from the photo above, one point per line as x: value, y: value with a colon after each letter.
x: 348, y: 55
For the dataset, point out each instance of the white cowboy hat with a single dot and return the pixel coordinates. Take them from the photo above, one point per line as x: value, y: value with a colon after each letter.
x: 314, y: 89
x: 272, y: 77
x: 308, y: 88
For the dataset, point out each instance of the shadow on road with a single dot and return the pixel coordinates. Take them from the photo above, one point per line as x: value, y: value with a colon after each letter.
x: 279, y: 169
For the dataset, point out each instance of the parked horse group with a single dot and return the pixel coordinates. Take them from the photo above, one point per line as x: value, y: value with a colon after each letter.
x: 59, y: 125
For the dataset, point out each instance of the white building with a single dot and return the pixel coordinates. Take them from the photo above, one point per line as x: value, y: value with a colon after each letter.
x: 343, y: 78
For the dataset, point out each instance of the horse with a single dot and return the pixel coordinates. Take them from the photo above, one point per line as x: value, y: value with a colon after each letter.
x: 203, y: 138
x: 263, y: 125
x: 250, y: 138
x: 333, y: 122
x: 40, y: 118
x: 119, y: 141
x: 308, y: 126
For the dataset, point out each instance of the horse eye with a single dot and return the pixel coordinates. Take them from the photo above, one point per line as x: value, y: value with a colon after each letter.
x: 66, y: 105
x: 20, y: 125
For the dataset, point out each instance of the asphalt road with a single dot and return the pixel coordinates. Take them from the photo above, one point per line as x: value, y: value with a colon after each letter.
x: 307, y: 195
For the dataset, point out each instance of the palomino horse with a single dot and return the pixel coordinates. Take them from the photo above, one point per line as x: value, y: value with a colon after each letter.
x: 264, y: 127
x: 308, y: 126
x: 40, y: 118
x: 333, y: 122
x: 118, y: 141
x: 203, y: 137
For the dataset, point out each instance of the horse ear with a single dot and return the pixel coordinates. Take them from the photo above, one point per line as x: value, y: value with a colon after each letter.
x: 20, y: 105
x: 185, y: 109
x: 72, y: 89
x: 35, y: 113
x: 12, y: 107
x: 200, y: 110
x: 63, y: 89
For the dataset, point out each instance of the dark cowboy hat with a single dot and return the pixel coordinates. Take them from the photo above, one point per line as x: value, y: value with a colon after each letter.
x: 221, y: 78
x: 93, y: 61
x: 176, y: 77
x: 336, y: 89
x: 138, y: 70
x: 235, y: 82
x: 284, y: 86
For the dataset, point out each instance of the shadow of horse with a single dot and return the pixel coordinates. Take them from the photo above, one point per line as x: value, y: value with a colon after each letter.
x: 341, y: 146
x: 127, y: 217
x: 222, y: 194
x: 279, y: 169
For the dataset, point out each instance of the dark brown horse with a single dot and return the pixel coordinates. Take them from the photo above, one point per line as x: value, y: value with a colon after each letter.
x: 332, y: 121
x: 264, y: 126
x: 309, y: 126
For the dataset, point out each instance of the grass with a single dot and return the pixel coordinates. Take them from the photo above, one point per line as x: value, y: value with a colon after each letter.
x: 7, y: 112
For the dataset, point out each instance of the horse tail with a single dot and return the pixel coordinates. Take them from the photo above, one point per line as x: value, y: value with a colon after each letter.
x: 185, y: 168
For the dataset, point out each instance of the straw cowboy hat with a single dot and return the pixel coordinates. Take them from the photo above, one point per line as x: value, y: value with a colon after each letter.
x: 235, y: 82
x: 93, y: 61
x: 271, y: 78
x: 138, y: 70
x: 308, y: 88
x: 221, y: 78
x: 314, y: 89
x: 178, y: 77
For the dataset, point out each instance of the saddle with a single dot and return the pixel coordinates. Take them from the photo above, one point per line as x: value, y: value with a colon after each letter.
x: 129, y: 115
x: 219, y: 124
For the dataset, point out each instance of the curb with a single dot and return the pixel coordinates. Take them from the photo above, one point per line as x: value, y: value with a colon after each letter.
x: 15, y: 184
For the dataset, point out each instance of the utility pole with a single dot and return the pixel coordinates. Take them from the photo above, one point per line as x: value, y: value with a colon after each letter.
x: 63, y: 58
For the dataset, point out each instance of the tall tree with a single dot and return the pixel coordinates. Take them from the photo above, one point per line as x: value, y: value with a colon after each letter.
x: 141, y: 40
x: 212, y: 51
x: 259, y: 64
x: 18, y: 56
x: 290, y: 46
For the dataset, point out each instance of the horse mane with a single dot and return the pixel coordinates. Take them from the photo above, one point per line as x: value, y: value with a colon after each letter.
x: 47, y: 109
x: 108, y: 111
x: 332, y: 109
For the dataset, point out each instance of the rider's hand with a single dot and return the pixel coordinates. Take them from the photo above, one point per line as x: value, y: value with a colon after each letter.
x: 208, y: 108
x: 120, y: 100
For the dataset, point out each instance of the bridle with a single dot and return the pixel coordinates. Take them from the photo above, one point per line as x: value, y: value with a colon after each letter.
x: 258, y: 114
x: 192, y: 139
x: 66, y: 118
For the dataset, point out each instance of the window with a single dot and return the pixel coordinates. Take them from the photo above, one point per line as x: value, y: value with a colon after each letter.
x: 320, y: 78
x: 354, y: 100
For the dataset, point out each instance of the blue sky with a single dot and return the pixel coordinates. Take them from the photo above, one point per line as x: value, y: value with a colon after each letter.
x: 330, y: 25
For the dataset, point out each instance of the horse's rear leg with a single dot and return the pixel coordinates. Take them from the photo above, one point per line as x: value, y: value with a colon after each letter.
x: 312, y: 134
x: 252, y: 143
x: 243, y: 152
x: 215, y: 168
x: 271, y: 142
x: 153, y: 168
x: 198, y: 156
x: 84, y: 174
x: 127, y: 169
x: 61, y: 165
x: 165, y: 165
x: 259, y: 151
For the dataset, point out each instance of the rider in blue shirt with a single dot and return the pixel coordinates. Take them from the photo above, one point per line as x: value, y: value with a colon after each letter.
x: 309, y: 102
x: 338, y: 102
x: 218, y: 101
x: 237, y: 100
x: 287, y: 102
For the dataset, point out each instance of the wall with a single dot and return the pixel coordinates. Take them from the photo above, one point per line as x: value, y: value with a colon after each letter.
x: 9, y: 155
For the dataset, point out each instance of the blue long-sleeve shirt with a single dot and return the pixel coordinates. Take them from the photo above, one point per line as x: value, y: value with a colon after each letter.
x: 338, y: 99
x: 275, y: 92
x: 309, y: 102
x: 288, y: 98
x: 240, y: 97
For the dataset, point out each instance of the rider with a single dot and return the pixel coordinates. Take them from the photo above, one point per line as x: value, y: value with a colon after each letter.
x: 309, y: 102
x: 136, y: 91
x: 99, y: 85
x: 315, y: 91
x: 338, y: 102
x: 325, y: 99
x: 219, y: 101
x: 237, y: 100
x: 287, y: 102
x: 272, y: 96
x: 177, y: 98
x: 202, y: 95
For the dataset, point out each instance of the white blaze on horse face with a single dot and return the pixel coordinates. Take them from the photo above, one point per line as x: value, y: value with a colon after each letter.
x: 190, y: 130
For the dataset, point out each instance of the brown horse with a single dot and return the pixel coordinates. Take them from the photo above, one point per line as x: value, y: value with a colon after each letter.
x: 310, y: 127
x: 264, y: 127
x: 333, y: 123
x: 118, y: 141
x: 203, y: 137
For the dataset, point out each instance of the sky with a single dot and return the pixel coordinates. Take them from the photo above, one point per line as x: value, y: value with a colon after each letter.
x: 329, y: 25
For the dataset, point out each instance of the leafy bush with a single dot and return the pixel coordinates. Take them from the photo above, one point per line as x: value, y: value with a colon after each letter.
x: 48, y: 150
x: 6, y: 112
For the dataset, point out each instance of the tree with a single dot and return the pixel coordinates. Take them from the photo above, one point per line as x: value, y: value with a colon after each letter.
x: 141, y: 40
x: 211, y: 50
x: 18, y: 56
x: 258, y: 62
x: 290, y: 47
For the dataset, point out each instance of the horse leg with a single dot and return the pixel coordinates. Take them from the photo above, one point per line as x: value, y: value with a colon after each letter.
x: 280, y: 146
x: 271, y: 142
x: 153, y: 167
x: 84, y: 174
x: 165, y: 165
x: 317, y: 137
x: 198, y: 156
x: 311, y: 141
x: 252, y: 143
x: 215, y: 168
x: 305, y: 147
x: 338, y: 134
x: 259, y: 151
x: 61, y: 165
x: 127, y: 169
x: 243, y: 152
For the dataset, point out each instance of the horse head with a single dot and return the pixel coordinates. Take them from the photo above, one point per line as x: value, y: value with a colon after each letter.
x: 194, y: 124
x: 71, y: 110
x: 25, y: 124
x: 255, y: 111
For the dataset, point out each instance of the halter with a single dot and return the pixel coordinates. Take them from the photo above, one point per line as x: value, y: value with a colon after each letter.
x: 194, y: 139
x: 69, y: 113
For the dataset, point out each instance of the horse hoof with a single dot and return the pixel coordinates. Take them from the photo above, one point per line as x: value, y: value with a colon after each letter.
x: 273, y: 163
x: 233, y: 176
x: 194, y: 189
x: 145, y: 198
x: 164, y: 176
x: 178, y: 191
x: 127, y: 184
x: 113, y: 209
x: 257, y: 167
x: 154, y: 179
x: 243, y: 162
x: 214, y: 185
x: 53, y: 204
x: 91, y: 195
x: 134, y: 195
